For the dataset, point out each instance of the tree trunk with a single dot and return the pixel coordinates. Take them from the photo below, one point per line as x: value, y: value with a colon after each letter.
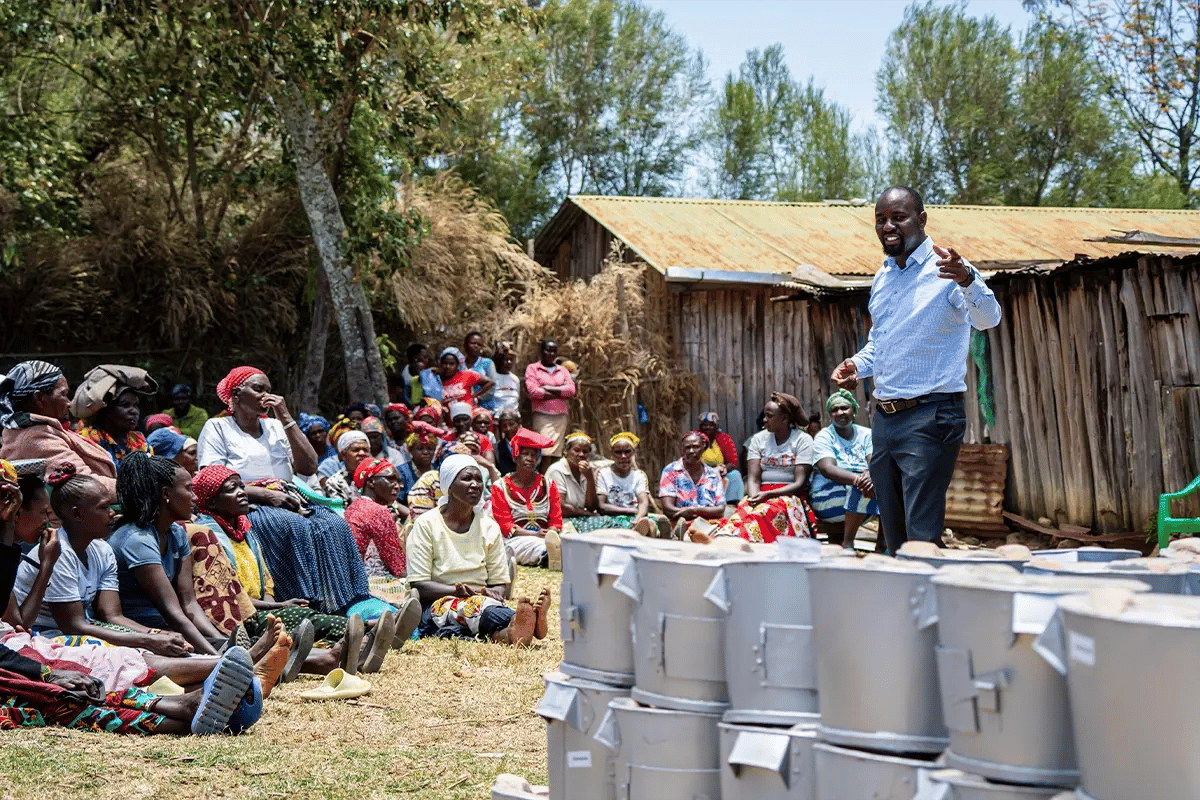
x: 318, y: 336
x: 365, y: 379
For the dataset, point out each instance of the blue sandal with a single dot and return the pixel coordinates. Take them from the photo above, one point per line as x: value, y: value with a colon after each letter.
x: 223, y: 690
x: 248, y: 711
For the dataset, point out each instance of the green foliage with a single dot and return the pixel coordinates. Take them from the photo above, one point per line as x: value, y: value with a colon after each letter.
x: 1149, y: 53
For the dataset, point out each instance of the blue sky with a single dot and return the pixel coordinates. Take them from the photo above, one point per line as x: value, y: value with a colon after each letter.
x: 838, y: 42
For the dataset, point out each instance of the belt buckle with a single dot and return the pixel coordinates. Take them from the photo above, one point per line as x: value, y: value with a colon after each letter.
x: 888, y: 406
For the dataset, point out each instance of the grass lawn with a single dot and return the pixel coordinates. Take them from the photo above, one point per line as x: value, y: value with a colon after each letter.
x: 445, y: 718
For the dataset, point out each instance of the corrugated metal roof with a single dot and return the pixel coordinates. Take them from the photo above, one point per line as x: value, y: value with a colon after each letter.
x: 801, y: 240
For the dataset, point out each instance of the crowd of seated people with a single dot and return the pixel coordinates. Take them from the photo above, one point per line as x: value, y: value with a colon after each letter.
x: 186, y: 563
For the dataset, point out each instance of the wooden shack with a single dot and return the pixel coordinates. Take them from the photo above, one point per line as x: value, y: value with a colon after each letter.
x: 1092, y: 374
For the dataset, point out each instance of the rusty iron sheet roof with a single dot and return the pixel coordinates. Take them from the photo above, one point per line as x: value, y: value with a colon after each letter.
x: 803, y: 239
x: 975, y: 499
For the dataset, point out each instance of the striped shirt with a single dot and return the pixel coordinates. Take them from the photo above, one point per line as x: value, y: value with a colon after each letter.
x: 921, y: 327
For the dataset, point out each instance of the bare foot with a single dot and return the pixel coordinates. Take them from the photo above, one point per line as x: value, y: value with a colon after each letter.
x: 543, y: 611
x: 520, y: 629
x: 698, y: 537
x: 268, y: 639
x: 271, y: 666
x: 322, y: 662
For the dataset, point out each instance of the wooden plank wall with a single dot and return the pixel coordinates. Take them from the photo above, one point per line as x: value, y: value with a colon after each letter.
x: 581, y: 254
x: 1096, y: 373
x: 1096, y: 376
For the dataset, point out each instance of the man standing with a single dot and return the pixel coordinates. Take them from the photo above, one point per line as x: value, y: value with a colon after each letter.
x: 924, y: 302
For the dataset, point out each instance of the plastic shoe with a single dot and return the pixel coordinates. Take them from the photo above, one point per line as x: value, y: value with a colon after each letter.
x: 338, y: 685
x: 356, y: 629
x: 381, y: 642
x: 302, y: 642
x: 554, y: 550
x: 223, y: 690
x: 408, y: 618
x: 248, y: 711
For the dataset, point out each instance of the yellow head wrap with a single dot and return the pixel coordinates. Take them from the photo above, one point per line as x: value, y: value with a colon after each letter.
x: 624, y: 436
x: 577, y: 436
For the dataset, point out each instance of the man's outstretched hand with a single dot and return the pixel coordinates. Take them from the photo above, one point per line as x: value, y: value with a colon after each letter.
x: 846, y: 374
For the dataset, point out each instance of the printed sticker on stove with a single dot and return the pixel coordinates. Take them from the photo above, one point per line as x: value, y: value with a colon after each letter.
x: 579, y: 759
x: 1082, y: 648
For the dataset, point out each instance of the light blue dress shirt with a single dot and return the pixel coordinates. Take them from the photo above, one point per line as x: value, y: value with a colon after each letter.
x: 921, y: 327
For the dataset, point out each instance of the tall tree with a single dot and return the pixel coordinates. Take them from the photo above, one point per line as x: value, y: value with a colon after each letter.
x: 616, y: 108
x: 1149, y: 51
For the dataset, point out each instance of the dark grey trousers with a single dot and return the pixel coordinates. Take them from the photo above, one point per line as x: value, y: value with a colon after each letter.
x: 912, y: 461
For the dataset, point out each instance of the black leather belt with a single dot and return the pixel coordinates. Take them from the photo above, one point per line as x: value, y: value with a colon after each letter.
x: 890, y: 407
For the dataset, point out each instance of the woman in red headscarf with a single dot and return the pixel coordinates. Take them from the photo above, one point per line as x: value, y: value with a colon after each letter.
x: 375, y: 518
x: 527, y: 506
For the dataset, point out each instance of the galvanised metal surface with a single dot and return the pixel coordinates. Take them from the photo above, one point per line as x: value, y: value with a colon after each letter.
x: 1135, y: 741
x: 594, y: 617
x: 1162, y: 575
x: 949, y: 557
x: 1005, y: 707
x: 580, y: 768
x: 876, y: 669
x: 770, y: 661
x: 1088, y: 554
x: 678, y: 635
x: 760, y: 762
x: 951, y: 784
x: 847, y: 774
x: 661, y: 753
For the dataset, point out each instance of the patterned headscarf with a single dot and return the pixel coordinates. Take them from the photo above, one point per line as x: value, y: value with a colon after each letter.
x: 710, y: 416
x: 841, y: 396
x: 309, y: 421
x: 374, y: 425
x: 368, y: 468
x: 482, y: 413
x: 236, y: 377
x: 403, y: 409
x: 699, y: 434
x: 422, y: 433
x: 20, y: 383
x: 624, y: 436
x: 206, y: 484
x: 8, y: 473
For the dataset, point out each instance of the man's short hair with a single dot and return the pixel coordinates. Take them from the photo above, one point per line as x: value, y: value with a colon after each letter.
x: 414, y: 350
x: 911, y: 192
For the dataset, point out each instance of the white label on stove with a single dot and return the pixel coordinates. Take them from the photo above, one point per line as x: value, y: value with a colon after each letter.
x: 579, y: 759
x: 1082, y: 648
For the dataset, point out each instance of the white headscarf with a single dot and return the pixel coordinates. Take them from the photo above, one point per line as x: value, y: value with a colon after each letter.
x: 350, y: 437
x: 452, y: 465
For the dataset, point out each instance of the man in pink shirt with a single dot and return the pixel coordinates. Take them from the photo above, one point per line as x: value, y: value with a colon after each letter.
x: 549, y: 386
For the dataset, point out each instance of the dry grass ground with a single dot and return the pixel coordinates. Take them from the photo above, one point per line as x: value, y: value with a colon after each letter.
x: 445, y: 718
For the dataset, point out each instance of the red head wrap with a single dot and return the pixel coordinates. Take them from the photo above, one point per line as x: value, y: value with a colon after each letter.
x: 236, y: 377
x: 527, y: 438
x: 700, y: 434
x: 369, y: 468
x: 206, y: 485
x: 403, y: 409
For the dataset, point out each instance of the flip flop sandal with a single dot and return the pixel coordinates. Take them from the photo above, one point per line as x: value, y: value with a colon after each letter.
x: 248, y: 711
x: 408, y: 619
x: 302, y: 642
x: 338, y: 685
x: 352, y: 643
x: 223, y: 690
x: 381, y: 642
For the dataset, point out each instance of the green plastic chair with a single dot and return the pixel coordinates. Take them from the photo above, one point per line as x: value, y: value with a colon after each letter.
x: 1168, y: 525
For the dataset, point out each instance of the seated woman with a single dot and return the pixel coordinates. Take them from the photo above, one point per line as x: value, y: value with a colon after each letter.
x: 458, y: 565
x: 316, y: 429
x: 422, y: 445
x: 527, y: 506
x: 482, y: 421
x: 623, y: 492
x: 381, y: 445
x: 842, y: 491
x: 722, y: 454
x: 156, y: 422
x: 108, y: 403
x: 153, y: 555
x: 27, y: 522
x: 779, y: 460
x: 461, y: 422
x: 81, y: 599
x: 379, y: 521
x: 310, y: 550
x: 576, y: 482
x: 34, y: 402
x: 688, y: 488
x: 330, y: 464
x: 221, y: 496
x: 353, y: 448
x: 396, y: 418
x: 181, y: 449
